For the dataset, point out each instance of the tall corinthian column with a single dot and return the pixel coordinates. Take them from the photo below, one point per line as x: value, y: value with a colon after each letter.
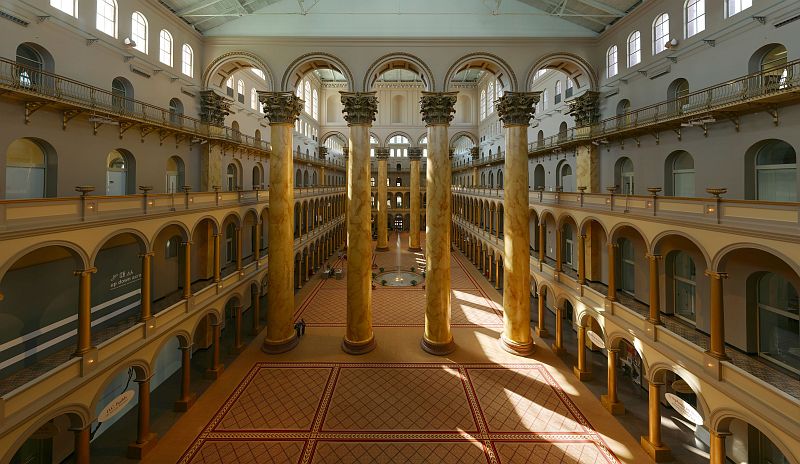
x: 414, y: 154
x: 437, y: 111
x: 359, y: 112
x: 516, y: 109
x: 282, y: 109
x: 382, y: 155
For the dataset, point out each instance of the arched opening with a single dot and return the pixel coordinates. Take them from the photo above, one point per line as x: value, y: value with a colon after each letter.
x: 258, y: 176
x: 624, y: 175
x: 771, y: 60
x: 53, y: 441
x: 121, y: 95
x: 230, y: 245
x: 169, y: 265
x: 175, y: 112
x: 680, y: 174
x: 538, y: 177
x: 565, y: 179
x: 232, y: 177
x: 175, y: 174
x: 31, y: 169
x: 32, y: 60
x: 747, y: 443
x: 678, y: 93
x: 120, y: 173
x: 771, y: 171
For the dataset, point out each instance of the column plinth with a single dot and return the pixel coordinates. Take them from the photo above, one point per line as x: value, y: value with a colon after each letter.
x: 282, y: 109
x: 437, y: 111
x: 382, y: 155
x: 414, y: 155
x: 652, y: 443
x: 359, y: 112
x: 516, y: 109
x: 610, y: 401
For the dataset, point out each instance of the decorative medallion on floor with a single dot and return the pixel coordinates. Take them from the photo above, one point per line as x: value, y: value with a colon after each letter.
x: 398, y: 413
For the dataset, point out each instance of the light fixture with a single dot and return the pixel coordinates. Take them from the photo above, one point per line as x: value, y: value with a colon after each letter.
x: 129, y: 43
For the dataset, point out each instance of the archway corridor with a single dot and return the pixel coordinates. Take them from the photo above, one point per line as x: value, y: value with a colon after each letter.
x: 398, y: 403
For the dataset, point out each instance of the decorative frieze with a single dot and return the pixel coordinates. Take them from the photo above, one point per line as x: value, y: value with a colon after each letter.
x: 281, y: 107
x: 214, y: 107
x: 517, y: 108
x: 585, y: 108
x: 438, y: 107
x: 359, y: 107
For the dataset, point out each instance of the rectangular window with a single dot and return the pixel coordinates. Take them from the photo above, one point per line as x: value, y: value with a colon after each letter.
x: 736, y: 6
x: 67, y: 6
x: 695, y: 17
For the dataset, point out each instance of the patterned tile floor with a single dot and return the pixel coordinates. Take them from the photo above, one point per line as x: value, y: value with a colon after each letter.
x: 398, y: 412
x: 398, y: 404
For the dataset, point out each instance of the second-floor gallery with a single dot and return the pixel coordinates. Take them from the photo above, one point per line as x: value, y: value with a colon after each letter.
x: 368, y: 231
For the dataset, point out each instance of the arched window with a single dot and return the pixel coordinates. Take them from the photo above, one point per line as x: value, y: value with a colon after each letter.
x: 562, y: 131
x: 229, y: 86
x: 165, y: 47
x: 257, y: 178
x: 545, y: 99
x: 240, y: 91
x: 490, y: 98
x: 627, y: 261
x: 623, y: 108
x: 695, y: 17
x: 120, y: 173
x: 67, y: 6
x: 175, y: 174
x: 567, y: 246
x: 498, y: 89
x: 660, y: 33
x: 776, y: 172
x: 483, y: 105
x: 230, y: 243
x: 499, y: 179
x: 107, y: 17
x: 570, y: 88
x: 611, y: 61
x: 634, y: 48
x: 565, y: 178
x: 684, y: 286
x: 175, y: 111
x: 253, y: 99
x: 680, y: 168
x: 231, y: 177
x: 733, y: 7
x: 139, y: 31
x: 773, y: 67
x: 538, y: 177
x: 315, y: 104
x: 558, y: 92
x: 491, y: 179
x: 32, y: 63
x: 624, y: 175
x: 778, y: 321
x: 398, y: 182
x: 121, y: 94
x: 30, y: 170
x: 307, y: 96
x: 188, y: 60
x: 678, y: 91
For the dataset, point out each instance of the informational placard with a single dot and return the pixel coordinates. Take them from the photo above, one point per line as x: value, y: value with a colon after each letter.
x: 115, y: 406
x: 596, y: 339
x: 684, y: 409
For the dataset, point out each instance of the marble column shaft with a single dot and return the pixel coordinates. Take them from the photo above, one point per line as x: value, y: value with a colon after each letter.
x: 359, y: 112
x: 282, y: 109
x: 382, y: 155
x: 84, y: 344
x: 515, y: 110
x: 437, y: 112
x: 655, y: 294
x: 717, y: 346
x: 413, y: 233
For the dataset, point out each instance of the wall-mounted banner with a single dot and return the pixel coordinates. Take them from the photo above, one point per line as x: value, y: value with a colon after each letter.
x: 684, y: 409
x: 596, y: 339
x: 115, y: 406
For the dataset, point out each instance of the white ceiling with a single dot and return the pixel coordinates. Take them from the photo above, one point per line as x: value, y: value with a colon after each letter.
x: 401, y: 18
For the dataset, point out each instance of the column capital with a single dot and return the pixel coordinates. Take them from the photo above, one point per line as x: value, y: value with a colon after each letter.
x: 716, y: 275
x: 475, y: 152
x: 186, y: 242
x: 612, y: 245
x: 281, y: 107
x: 583, y: 236
x: 214, y: 106
x: 437, y: 107
x: 414, y: 153
x: 323, y: 152
x: 654, y: 256
x: 382, y: 153
x: 517, y: 108
x: 359, y: 107
x: 148, y: 254
x: 83, y: 272
x: 585, y: 108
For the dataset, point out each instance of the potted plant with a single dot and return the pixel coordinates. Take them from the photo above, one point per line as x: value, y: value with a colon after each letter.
x: 413, y: 283
x: 383, y: 282
x: 381, y: 269
x: 374, y: 275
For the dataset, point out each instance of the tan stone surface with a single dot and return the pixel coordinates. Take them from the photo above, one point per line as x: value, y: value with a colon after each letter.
x: 413, y: 236
x: 382, y: 218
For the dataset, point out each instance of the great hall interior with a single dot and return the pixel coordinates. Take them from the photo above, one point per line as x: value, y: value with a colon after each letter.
x: 373, y: 231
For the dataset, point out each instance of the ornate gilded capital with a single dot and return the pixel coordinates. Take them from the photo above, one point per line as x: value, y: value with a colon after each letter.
x: 214, y: 107
x: 281, y: 107
x: 475, y: 152
x: 517, y: 108
x: 382, y: 153
x: 359, y: 107
x: 585, y: 108
x: 437, y: 107
x: 323, y: 152
x: 414, y: 153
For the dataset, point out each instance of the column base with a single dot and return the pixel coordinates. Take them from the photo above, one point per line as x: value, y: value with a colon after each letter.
x: 358, y: 348
x: 656, y: 453
x: 583, y: 376
x: 718, y: 356
x: 140, y: 450
x: 184, y: 405
x: 557, y: 349
x: 414, y: 249
x: 616, y: 408
x: 213, y: 374
x: 436, y: 348
x: 541, y: 332
x: 381, y: 248
x: 280, y: 346
x: 517, y: 348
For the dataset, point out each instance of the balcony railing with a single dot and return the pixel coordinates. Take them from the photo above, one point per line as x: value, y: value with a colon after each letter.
x: 747, y: 215
x: 318, y: 161
x: 768, y: 84
x: 106, y: 105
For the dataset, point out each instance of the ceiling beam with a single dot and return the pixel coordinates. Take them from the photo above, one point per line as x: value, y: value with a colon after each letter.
x: 603, y: 7
x: 194, y: 8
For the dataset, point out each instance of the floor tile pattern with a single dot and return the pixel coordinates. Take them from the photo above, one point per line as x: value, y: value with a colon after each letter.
x: 304, y: 412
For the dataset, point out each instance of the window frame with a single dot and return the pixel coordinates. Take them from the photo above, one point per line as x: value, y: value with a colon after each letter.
x: 661, y: 23
x: 102, y: 21
x: 59, y: 5
x: 141, y: 40
x: 187, y: 63
x: 612, y: 61
x: 637, y: 53
x: 699, y: 19
x: 165, y: 55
